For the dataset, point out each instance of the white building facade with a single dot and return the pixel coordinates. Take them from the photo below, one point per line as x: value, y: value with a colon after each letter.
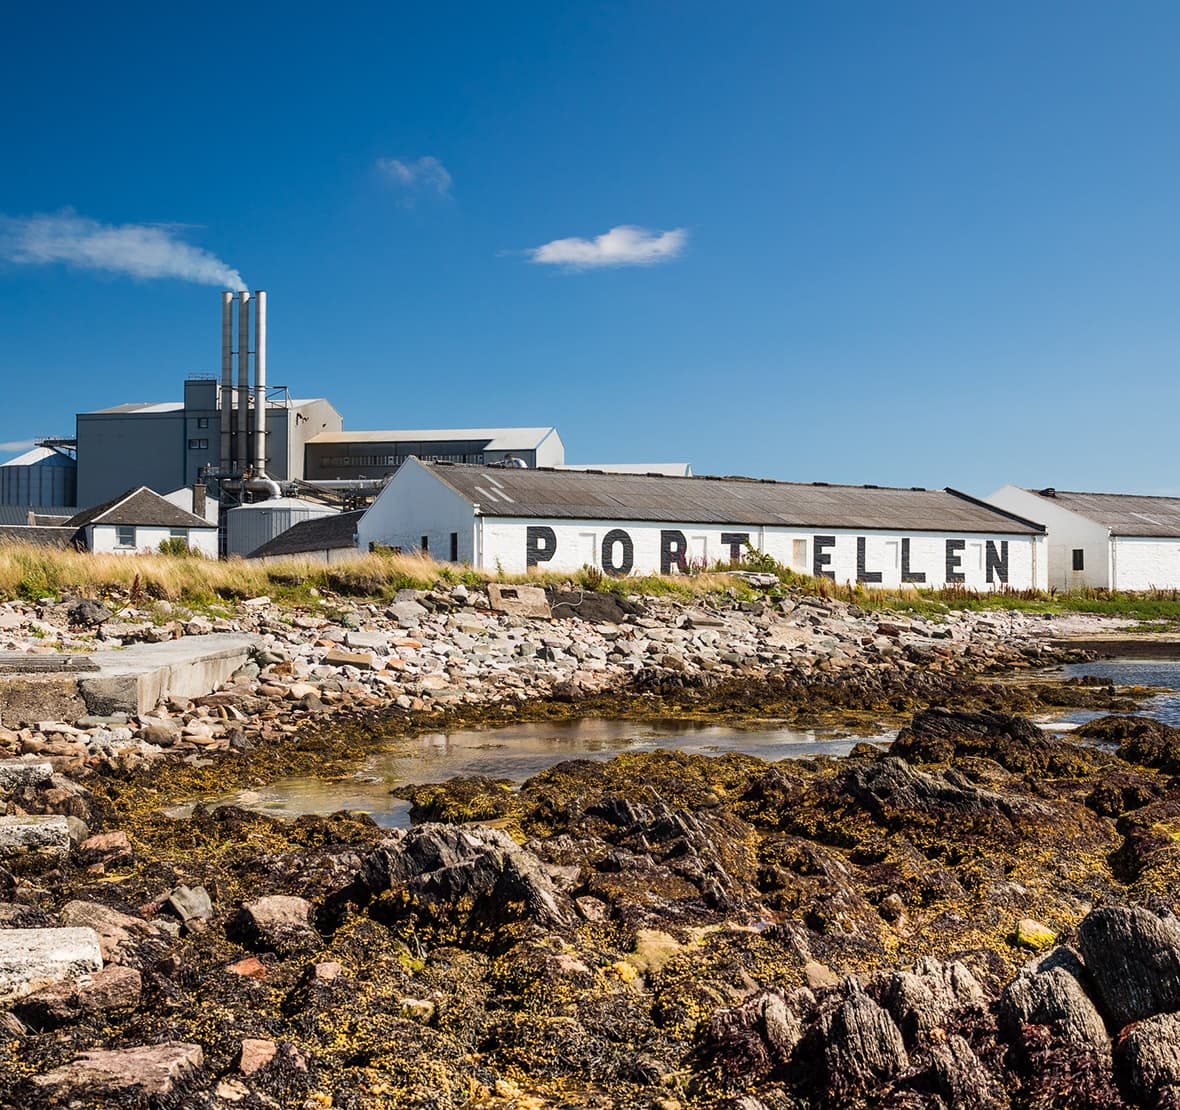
x: 515, y: 520
x: 137, y: 522
x: 1108, y: 541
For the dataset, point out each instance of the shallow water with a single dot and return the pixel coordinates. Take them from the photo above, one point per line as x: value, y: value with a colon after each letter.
x: 518, y: 752
x: 1164, y: 674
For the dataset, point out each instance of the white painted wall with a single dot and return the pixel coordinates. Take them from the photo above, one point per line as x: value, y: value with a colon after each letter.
x: 413, y: 504
x: 1067, y: 531
x: 505, y: 542
x: 551, y: 451
x: 183, y: 499
x: 103, y: 538
x: 1145, y: 563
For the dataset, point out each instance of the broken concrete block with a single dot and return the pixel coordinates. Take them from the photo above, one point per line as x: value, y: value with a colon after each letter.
x: 48, y: 834
x: 338, y: 657
x: 367, y: 641
x: 519, y: 601
x: 32, y: 959
x: 18, y: 773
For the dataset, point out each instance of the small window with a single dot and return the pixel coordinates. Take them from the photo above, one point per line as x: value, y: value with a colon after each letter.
x: 454, y: 547
x: 178, y: 533
x: 202, y: 421
x: 198, y: 444
x: 425, y: 545
x: 125, y: 535
x: 1079, y: 558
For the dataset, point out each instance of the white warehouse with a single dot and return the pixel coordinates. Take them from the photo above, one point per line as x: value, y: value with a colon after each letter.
x: 517, y: 519
x: 1112, y: 541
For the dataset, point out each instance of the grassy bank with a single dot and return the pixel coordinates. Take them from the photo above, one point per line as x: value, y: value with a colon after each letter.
x: 34, y: 572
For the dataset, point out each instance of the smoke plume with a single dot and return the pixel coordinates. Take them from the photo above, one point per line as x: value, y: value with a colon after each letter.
x: 139, y: 250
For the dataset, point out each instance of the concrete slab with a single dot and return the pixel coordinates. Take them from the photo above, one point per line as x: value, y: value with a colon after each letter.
x: 133, y: 679
x: 18, y: 773
x: 45, y: 833
x: 31, y: 959
x: 519, y: 601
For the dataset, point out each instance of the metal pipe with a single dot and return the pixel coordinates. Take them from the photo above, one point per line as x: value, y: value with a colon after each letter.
x: 242, y: 447
x: 260, y: 383
x: 227, y: 377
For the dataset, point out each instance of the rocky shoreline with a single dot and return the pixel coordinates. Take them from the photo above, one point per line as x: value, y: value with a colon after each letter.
x: 980, y: 917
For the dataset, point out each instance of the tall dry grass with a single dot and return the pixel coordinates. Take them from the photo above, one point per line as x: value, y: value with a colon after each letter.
x: 33, y: 572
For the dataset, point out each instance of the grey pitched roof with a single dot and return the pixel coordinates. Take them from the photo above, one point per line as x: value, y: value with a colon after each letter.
x: 321, y: 533
x: 140, y: 506
x: 498, y: 439
x: 577, y: 495
x: 1125, y: 514
x: 37, y: 536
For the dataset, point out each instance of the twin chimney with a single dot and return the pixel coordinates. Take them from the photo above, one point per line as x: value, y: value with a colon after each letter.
x: 243, y: 425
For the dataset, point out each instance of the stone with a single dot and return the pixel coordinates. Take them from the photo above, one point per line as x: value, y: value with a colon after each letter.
x: 18, y: 773
x: 1149, y: 1053
x: 113, y: 988
x: 361, y: 660
x: 1048, y: 994
x: 279, y: 923
x: 34, y: 833
x: 107, y: 846
x: 143, y: 1072
x: 366, y: 641
x: 255, y: 1054
x: 468, y: 874
x: 249, y: 968
x: 862, y: 1045
x: 1133, y: 957
x: 930, y: 996
x: 87, y: 613
x: 519, y: 601
x: 1032, y: 934
x: 407, y: 614
x: 190, y: 904
x: 32, y: 959
x: 120, y: 935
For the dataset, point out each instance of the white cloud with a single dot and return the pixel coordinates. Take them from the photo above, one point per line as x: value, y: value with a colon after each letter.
x: 139, y: 250
x: 15, y: 445
x: 425, y: 174
x: 625, y: 245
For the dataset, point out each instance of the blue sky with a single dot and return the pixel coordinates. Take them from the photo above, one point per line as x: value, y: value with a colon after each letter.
x: 915, y: 244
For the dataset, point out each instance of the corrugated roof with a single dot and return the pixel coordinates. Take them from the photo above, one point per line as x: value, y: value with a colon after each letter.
x: 140, y: 506
x: 577, y: 495
x: 1125, y: 514
x: 37, y: 536
x: 675, y: 470
x: 41, y: 456
x: 323, y: 533
x: 498, y: 439
x: 141, y: 407
x: 19, y: 514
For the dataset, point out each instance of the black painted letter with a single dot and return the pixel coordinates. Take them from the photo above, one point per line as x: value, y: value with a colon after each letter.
x: 540, y: 545
x: 954, y: 560
x: 863, y: 575
x: 908, y: 575
x: 735, y: 541
x: 673, y: 551
x: 623, y: 567
x: 821, y: 556
x: 997, y: 561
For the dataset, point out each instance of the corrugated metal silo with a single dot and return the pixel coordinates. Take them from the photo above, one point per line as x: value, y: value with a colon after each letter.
x: 250, y: 526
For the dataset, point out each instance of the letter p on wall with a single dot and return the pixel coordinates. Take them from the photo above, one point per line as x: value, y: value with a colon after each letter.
x: 540, y: 544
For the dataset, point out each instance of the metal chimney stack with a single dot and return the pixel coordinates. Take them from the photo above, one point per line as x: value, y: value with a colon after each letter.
x: 260, y: 383
x: 227, y: 379
x: 243, y: 440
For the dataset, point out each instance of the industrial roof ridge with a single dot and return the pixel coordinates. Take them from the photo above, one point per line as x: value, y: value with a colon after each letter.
x: 704, y: 499
x: 416, y: 435
x: 1122, y: 514
x: 317, y: 534
x: 139, y: 506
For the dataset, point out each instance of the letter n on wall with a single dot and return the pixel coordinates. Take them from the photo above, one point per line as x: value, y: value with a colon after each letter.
x: 997, y: 561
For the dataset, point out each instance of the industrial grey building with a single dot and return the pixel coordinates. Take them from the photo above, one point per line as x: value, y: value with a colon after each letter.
x: 173, y: 444
x: 336, y: 455
x: 42, y: 478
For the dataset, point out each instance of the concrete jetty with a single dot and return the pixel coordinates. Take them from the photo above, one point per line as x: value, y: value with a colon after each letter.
x: 128, y: 680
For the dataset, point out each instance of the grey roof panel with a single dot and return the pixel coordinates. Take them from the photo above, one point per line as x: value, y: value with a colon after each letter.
x: 1125, y: 514
x: 573, y: 494
x: 322, y: 533
x: 37, y: 536
x: 140, y: 506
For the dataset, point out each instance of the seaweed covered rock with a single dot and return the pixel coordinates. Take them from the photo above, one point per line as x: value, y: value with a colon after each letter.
x: 1141, y: 740
x: 930, y: 996
x: 1149, y: 1060
x: 278, y: 923
x: 1048, y: 992
x: 470, y: 876
x: 750, y: 1041
x: 941, y: 735
x: 1133, y: 957
x: 862, y: 1046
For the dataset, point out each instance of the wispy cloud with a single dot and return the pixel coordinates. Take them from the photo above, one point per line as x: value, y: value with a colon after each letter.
x: 625, y: 245
x: 419, y: 175
x: 139, y: 250
x: 14, y: 445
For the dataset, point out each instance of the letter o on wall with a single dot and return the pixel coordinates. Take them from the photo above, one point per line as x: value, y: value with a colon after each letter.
x: 625, y: 564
